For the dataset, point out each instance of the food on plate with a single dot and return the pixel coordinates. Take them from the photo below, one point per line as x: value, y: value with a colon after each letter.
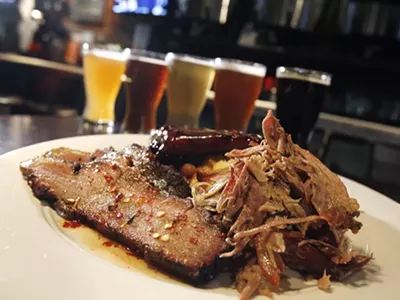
x: 132, y: 199
x: 181, y: 145
x: 281, y: 202
x: 266, y: 205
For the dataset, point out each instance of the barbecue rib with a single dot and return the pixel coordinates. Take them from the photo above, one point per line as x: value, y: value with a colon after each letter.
x: 132, y: 199
x: 182, y: 145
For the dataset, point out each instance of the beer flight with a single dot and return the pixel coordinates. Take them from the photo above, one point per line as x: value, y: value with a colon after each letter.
x: 187, y: 79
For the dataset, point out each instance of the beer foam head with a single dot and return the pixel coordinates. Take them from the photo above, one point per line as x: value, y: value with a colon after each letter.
x: 313, y: 76
x: 197, y: 60
x: 103, y: 52
x: 150, y: 57
x: 245, y: 67
x: 149, y: 60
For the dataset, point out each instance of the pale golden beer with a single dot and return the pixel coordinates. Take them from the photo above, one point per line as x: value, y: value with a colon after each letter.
x: 237, y: 86
x: 189, y: 80
x: 103, y: 69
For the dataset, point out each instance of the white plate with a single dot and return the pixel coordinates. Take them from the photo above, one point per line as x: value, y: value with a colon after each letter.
x: 40, y: 260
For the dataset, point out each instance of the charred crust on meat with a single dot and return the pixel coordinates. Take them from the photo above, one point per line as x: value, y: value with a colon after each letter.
x: 76, y: 167
x: 118, y: 196
x: 112, y: 207
x: 130, y: 220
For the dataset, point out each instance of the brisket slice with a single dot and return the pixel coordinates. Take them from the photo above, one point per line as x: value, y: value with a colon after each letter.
x: 130, y: 198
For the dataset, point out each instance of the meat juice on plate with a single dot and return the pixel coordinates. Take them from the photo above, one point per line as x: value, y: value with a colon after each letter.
x: 94, y: 243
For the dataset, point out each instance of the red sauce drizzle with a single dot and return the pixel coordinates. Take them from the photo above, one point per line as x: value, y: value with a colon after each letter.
x: 182, y: 216
x: 108, y: 244
x: 131, y: 254
x: 108, y: 178
x: 193, y: 240
x: 72, y: 224
x: 221, y: 235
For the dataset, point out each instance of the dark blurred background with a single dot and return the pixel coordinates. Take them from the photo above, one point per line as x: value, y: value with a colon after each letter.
x: 358, y: 41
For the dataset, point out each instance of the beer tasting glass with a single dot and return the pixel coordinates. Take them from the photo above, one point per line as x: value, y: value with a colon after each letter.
x: 237, y: 86
x: 189, y: 80
x: 103, y: 68
x: 300, y: 95
x: 146, y: 77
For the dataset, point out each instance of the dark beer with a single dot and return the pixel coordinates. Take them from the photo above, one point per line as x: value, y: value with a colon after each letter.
x: 237, y: 86
x: 146, y: 77
x: 300, y: 95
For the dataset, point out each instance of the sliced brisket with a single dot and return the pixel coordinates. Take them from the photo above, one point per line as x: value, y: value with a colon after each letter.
x: 132, y: 199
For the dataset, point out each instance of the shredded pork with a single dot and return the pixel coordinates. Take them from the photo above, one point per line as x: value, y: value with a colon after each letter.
x: 282, y: 202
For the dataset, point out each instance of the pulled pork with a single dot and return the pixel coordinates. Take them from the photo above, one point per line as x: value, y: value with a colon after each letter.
x: 282, y: 202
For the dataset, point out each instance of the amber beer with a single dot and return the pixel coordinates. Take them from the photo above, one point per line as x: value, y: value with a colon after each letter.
x: 237, y: 86
x: 103, y: 69
x: 146, y: 77
x: 189, y: 80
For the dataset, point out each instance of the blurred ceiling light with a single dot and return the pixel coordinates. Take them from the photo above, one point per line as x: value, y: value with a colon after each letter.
x: 36, y: 14
x: 157, y: 10
x: 224, y: 11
